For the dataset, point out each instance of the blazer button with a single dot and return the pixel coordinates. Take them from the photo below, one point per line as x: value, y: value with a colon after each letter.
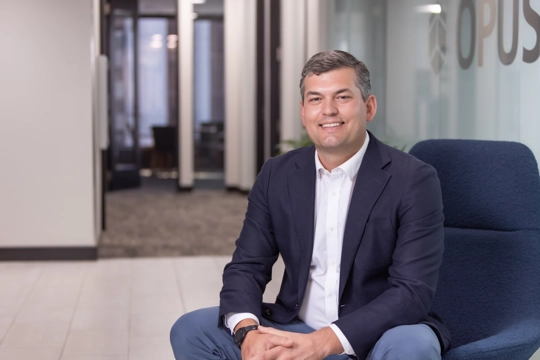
x: 296, y: 306
x: 268, y: 312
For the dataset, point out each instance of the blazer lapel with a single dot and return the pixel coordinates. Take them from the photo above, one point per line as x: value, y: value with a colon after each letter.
x: 370, y: 183
x: 301, y: 183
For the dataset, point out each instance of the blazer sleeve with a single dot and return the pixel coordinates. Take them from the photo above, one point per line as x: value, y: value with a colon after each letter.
x: 413, y: 275
x: 246, y: 276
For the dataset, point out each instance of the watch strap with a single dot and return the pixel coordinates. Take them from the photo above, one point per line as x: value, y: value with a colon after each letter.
x: 241, y: 333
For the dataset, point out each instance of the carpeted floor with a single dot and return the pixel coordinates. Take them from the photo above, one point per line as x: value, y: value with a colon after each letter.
x: 155, y: 220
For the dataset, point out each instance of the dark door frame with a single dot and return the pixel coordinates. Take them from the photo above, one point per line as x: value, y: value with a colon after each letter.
x: 268, y: 77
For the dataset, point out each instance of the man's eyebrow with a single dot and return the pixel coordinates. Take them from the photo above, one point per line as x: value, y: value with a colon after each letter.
x: 340, y: 91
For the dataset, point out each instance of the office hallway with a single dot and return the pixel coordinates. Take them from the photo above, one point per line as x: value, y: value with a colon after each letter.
x: 156, y: 221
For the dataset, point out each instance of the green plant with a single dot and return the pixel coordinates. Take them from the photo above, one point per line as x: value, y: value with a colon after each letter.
x: 287, y: 145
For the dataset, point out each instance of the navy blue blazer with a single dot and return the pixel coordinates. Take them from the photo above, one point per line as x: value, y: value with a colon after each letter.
x: 392, y: 245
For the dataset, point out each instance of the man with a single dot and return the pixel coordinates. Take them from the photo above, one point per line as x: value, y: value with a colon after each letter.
x: 359, y: 226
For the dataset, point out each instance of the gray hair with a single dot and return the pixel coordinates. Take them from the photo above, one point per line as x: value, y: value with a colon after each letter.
x: 336, y: 59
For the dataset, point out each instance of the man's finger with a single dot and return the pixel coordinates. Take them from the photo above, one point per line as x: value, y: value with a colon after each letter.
x: 269, y: 330
x: 273, y: 341
x: 271, y: 354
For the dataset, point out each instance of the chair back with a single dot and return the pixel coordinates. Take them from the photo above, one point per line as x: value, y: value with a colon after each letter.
x: 165, y: 138
x: 490, y: 276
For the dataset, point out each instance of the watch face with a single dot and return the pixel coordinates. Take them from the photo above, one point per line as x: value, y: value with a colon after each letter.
x: 240, y: 334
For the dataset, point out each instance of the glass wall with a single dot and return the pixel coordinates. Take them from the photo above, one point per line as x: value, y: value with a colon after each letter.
x: 157, y: 75
x: 447, y: 69
x: 124, y: 148
x: 153, y: 99
x: 209, y: 97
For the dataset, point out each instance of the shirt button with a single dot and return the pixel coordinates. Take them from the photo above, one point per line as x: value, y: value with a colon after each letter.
x: 331, y: 229
x: 329, y: 295
x: 334, y: 193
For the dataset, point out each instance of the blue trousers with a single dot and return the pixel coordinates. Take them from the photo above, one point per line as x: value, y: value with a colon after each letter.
x: 195, y: 336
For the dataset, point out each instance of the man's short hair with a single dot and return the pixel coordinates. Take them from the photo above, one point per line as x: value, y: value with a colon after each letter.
x: 336, y: 59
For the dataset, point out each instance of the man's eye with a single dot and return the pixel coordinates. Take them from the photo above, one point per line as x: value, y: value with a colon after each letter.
x: 314, y: 99
x: 343, y: 97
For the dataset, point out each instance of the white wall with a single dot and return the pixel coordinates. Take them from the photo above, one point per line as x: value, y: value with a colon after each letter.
x: 316, y: 26
x: 293, y: 58
x: 185, y: 56
x: 240, y: 93
x: 46, y: 141
x: 100, y: 114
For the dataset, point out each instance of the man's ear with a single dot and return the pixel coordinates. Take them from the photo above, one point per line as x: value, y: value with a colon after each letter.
x: 302, y: 112
x: 371, y: 107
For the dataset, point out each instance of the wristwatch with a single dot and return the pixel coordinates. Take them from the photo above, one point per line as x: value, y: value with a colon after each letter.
x: 241, y: 333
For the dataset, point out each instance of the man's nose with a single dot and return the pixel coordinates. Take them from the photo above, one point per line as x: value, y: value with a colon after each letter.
x: 330, y: 108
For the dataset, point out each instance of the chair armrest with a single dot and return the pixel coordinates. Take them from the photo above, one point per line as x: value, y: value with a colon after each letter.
x: 517, y: 341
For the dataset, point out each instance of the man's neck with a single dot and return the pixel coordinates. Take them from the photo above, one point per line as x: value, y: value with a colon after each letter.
x: 331, y: 160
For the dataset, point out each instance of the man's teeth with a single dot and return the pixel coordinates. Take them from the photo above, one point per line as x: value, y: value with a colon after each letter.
x: 331, y: 125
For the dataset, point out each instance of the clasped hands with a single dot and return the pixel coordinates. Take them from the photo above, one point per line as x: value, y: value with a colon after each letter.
x: 268, y: 343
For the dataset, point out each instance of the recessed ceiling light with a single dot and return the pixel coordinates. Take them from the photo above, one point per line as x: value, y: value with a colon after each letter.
x: 431, y: 8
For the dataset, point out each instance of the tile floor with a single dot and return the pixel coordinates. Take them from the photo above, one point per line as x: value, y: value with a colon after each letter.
x: 115, y: 309
x: 118, y: 309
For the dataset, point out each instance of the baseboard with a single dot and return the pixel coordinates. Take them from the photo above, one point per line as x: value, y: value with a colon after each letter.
x: 183, y: 188
x: 236, y: 189
x: 48, y: 253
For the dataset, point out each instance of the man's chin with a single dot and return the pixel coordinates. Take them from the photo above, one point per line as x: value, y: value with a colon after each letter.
x: 331, y: 148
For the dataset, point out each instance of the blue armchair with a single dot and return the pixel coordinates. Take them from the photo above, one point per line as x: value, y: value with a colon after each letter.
x: 489, y: 286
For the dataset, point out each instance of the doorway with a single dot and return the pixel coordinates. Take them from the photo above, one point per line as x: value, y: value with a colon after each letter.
x: 209, y: 98
x: 143, y: 88
x: 147, y: 217
x: 158, y: 100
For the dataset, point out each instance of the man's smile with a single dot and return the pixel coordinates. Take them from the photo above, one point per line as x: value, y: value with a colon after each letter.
x: 331, y: 125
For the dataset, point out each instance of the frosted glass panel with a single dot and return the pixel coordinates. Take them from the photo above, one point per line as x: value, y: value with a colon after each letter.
x: 359, y: 27
x: 464, y: 69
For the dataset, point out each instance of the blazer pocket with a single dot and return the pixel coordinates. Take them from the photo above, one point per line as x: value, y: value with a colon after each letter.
x: 377, y: 245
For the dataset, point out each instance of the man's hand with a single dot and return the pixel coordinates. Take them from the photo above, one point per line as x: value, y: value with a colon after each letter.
x: 314, y: 346
x: 256, y: 343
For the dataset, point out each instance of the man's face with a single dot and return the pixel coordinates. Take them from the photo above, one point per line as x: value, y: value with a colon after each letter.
x: 334, y: 113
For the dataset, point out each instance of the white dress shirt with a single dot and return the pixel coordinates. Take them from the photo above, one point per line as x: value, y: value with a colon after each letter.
x: 333, y: 195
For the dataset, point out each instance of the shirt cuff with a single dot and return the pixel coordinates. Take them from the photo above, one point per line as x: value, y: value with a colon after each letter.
x: 232, y: 319
x: 344, y: 342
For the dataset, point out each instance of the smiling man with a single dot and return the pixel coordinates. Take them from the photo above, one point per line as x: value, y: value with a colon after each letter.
x: 359, y: 226
x: 334, y: 112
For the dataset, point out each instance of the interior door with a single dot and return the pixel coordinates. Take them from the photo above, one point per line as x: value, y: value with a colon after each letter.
x: 124, y: 158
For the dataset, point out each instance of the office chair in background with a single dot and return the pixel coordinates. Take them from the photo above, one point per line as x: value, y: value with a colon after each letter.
x: 164, y: 151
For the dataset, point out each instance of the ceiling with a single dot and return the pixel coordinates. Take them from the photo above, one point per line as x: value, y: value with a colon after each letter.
x: 168, y: 7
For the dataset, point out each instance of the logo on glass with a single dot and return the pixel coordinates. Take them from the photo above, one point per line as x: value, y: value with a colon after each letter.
x: 437, y: 41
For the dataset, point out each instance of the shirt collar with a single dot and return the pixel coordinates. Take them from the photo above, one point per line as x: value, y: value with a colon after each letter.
x: 351, y: 166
